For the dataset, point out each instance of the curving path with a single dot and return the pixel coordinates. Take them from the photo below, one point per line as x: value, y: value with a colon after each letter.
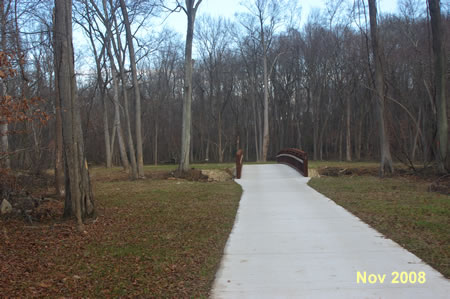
x: 289, y: 241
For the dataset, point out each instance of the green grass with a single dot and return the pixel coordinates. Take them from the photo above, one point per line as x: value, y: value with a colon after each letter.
x: 176, y: 229
x: 399, y: 207
x: 153, y: 238
x: 320, y: 164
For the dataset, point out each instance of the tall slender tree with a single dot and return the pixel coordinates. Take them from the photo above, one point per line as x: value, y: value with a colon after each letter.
x: 5, y: 9
x: 440, y: 78
x: 79, y: 199
x: 386, y: 165
x: 59, y: 142
x: 137, y: 93
x: 191, y: 10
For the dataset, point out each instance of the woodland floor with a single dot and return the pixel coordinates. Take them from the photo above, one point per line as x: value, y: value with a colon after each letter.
x: 158, y: 237
x: 413, y: 209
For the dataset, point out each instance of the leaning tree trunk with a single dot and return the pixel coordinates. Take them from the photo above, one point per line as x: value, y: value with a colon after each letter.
x: 79, y: 195
x: 109, y: 43
x: 386, y: 165
x: 117, y: 122
x: 102, y: 92
x: 134, y: 164
x: 439, y: 83
x: 120, y: 55
x: 137, y: 94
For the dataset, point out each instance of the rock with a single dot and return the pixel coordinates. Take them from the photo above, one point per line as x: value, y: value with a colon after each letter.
x: 5, y: 207
x: 313, y: 173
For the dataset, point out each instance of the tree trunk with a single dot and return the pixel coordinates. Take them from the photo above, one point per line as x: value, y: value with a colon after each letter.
x: 386, y: 165
x: 439, y: 83
x: 265, y: 146
x: 207, y: 149
x: 359, y: 139
x: 299, y: 135
x: 131, y: 150
x: 106, y: 131
x: 102, y: 91
x: 117, y: 122
x: 246, y: 142
x: 118, y: 50
x: 190, y: 10
x: 4, y: 134
x: 155, y: 150
x: 59, y: 159
x: 109, y: 43
x: 78, y: 191
x: 348, y: 139
x: 137, y: 94
x: 322, y: 132
x: 416, y: 138
x: 316, y: 127
x: 4, y: 127
x: 340, y: 144
x: 256, y: 125
x: 219, y: 136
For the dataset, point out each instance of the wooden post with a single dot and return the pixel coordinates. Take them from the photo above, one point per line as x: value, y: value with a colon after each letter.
x: 239, y: 162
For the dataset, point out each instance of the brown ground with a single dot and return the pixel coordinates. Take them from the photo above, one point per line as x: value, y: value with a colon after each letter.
x: 162, y: 236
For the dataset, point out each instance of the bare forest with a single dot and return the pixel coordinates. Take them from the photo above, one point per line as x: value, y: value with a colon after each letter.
x: 348, y: 83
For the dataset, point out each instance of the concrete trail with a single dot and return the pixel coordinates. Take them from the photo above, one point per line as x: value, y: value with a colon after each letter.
x: 289, y: 241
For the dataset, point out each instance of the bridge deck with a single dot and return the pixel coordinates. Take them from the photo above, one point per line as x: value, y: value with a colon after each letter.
x: 289, y: 241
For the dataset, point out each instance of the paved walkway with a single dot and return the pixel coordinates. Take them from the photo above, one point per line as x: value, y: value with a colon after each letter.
x: 289, y: 241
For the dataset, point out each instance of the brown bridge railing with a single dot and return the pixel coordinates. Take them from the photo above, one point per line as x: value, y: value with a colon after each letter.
x: 294, y: 157
x: 239, y: 162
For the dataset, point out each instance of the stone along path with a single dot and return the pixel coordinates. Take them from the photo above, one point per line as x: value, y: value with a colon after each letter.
x: 289, y: 241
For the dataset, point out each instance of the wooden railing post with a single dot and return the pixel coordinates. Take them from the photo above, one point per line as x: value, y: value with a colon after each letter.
x: 239, y: 162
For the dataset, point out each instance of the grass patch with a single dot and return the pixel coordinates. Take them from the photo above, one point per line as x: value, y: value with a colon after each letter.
x: 401, y: 208
x: 341, y: 164
x: 153, y: 238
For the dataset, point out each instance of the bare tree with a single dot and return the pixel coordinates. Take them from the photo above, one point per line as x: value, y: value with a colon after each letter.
x: 386, y: 165
x: 79, y: 198
x: 269, y: 14
x: 319, y: 78
x: 190, y: 10
x: 137, y: 93
x: 99, y: 55
x: 440, y: 75
x: 110, y: 44
x: 59, y: 141
x: 214, y: 37
x: 4, y: 12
